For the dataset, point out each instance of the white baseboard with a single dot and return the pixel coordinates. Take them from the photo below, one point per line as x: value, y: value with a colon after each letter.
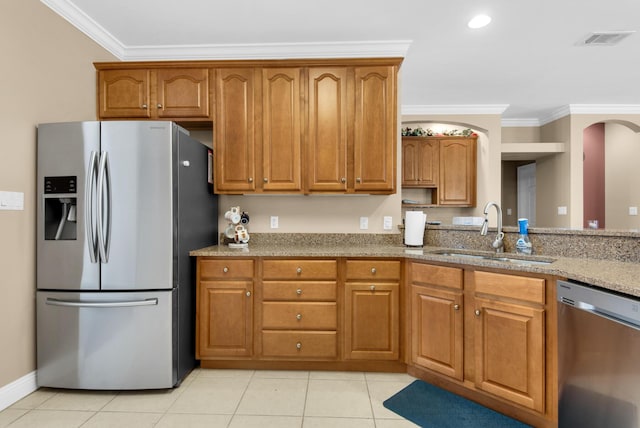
x: 17, y: 390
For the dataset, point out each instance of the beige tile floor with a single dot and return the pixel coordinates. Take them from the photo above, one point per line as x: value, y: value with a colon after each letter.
x: 226, y: 399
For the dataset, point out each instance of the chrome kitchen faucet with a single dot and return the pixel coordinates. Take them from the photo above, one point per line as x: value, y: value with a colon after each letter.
x: 498, y: 244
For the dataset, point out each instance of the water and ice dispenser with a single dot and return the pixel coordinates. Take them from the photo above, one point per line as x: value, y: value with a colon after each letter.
x: 60, y: 208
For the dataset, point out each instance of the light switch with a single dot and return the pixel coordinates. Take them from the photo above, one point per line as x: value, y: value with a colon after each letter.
x: 387, y: 222
x: 274, y: 222
x: 12, y: 201
x: 562, y: 210
x: 364, y: 223
x: 633, y: 210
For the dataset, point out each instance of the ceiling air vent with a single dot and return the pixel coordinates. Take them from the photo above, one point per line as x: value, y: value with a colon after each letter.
x: 605, y: 38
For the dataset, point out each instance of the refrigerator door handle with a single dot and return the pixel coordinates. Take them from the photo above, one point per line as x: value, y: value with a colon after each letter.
x: 89, y: 197
x: 104, y: 228
x: 101, y: 304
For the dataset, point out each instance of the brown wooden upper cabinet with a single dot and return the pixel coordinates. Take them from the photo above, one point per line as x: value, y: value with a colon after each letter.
x: 171, y: 94
x: 279, y: 126
x: 320, y: 129
x: 448, y: 165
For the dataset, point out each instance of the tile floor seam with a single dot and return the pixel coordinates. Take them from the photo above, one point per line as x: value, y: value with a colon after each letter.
x: 235, y: 411
x: 306, y: 396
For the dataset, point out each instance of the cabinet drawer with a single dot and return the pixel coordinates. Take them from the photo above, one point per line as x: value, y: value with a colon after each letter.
x: 305, y: 344
x: 299, y: 316
x: 512, y: 286
x: 224, y: 268
x: 373, y: 269
x: 299, y: 269
x: 436, y: 275
x: 299, y: 290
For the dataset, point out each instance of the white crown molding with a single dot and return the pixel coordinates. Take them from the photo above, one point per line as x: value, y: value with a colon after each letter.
x: 17, y: 390
x: 366, y: 49
x: 454, y: 109
x: 518, y: 123
x: 87, y: 25
x: 604, y: 108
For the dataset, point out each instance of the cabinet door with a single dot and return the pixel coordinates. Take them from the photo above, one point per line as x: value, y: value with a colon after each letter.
x: 457, y: 172
x: 436, y: 330
x: 182, y: 93
x: 234, y: 141
x: 372, y: 321
x: 281, y: 131
x: 420, y: 162
x: 224, y: 319
x: 410, y: 159
x: 375, y: 129
x: 123, y: 94
x: 509, y: 352
x: 327, y: 137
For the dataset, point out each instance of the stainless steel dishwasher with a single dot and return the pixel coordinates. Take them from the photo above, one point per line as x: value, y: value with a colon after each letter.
x: 598, y: 357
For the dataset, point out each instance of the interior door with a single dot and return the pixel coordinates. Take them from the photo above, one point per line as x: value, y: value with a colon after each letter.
x: 527, y: 192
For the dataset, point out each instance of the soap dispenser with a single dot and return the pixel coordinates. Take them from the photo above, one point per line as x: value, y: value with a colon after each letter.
x: 523, y: 244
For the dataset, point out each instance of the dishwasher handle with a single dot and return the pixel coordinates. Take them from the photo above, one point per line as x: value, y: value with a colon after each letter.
x: 90, y: 304
x: 615, y: 307
x: 601, y: 313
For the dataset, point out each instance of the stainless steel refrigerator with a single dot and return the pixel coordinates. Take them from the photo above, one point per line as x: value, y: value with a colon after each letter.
x: 119, y: 207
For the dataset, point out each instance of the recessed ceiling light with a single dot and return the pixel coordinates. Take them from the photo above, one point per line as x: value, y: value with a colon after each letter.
x: 479, y: 21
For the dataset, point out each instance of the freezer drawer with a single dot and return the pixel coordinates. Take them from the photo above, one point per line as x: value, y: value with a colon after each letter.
x: 101, y: 340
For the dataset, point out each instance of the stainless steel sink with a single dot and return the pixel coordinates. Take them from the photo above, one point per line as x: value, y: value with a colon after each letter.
x: 497, y: 257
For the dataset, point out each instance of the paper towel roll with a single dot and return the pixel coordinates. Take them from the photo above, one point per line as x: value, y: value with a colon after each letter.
x: 414, y: 222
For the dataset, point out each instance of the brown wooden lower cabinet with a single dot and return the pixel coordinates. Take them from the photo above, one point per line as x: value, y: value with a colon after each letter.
x: 491, y: 337
x: 482, y: 334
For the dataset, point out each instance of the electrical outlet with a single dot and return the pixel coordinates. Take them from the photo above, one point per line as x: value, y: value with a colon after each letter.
x: 274, y: 222
x: 633, y: 210
x: 562, y: 210
x: 364, y: 223
x: 387, y: 222
x: 509, y: 211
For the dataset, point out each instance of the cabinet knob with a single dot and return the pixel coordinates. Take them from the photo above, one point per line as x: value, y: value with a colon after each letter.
x: 456, y: 307
x: 144, y: 106
x: 478, y: 312
x: 372, y: 288
x: 250, y: 179
x: 299, y: 317
x: 225, y: 269
x: 343, y: 180
x: 248, y: 293
x: 266, y: 180
x: 298, y: 345
x: 299, y: 270
x: 299, y: 291
x: 159, y: 106
x: 358, y: 180
x: 373, y: 271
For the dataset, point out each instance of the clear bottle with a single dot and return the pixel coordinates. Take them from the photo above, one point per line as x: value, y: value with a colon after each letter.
x: 523, y: 244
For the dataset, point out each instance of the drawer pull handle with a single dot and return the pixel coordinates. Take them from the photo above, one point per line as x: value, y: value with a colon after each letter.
x: 299, y: 317
x: 299, y: 270
x: 298, y: 345
x: 299, y: 291
x: 372, y: 288
x: 250, y: 179
x: 248, y: 293
x: 373, y: 271
x: 343, y: 180
x: 266, y: 180
x: 456, y: 307
x: 159, y: 106
x: 358, y: 180
x: 144, y: 106
x: 225, y: 269
x: 478, y: 312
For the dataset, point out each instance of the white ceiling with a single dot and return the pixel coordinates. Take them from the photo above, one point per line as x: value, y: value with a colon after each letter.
x: 527, y: 62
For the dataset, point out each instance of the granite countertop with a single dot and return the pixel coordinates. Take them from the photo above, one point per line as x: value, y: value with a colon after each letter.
x: 623, y: 277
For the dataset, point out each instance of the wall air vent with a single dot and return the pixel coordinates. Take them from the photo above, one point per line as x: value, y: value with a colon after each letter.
x: 605, y: 38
